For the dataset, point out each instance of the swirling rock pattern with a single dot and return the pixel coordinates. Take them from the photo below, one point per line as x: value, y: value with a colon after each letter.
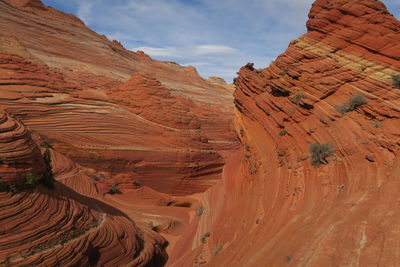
x: 281, y: 209
x: 80, y: 107
x: 19, y: 154
x: 71, y: 225
x: 149, y: 99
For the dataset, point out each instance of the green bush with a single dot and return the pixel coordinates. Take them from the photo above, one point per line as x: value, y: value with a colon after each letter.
x: 396, y: 81
x: 138, y: 182
x: 297, y: 97
x: 204, y: 237
x: 114, y: 190
x: 283, y: 132
x: 30, y: 179
x: 319, y: 153
x: 199, y: 211
x: 357, y: 101
x: 354, y: 102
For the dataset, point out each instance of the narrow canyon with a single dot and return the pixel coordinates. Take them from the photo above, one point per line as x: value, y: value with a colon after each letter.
x: 111, y: 158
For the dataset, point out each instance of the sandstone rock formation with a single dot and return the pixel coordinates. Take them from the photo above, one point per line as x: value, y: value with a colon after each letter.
x: 19, y: 154
x: 85, y: 110
x: 146, y: 96
x: 145, y: 153
x: 282, y: 210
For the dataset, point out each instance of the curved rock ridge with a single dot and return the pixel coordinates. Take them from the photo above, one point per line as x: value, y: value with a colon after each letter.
x: 147, y: 97
x: 19, y: 155
x: 284, y: 210
x: 72, y: 226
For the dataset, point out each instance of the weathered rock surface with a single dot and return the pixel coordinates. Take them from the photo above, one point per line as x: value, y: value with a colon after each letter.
x: 122, y: 121
x: 19, y: 154
x: 146, y: 96
x: 281, y: 209
x: 71, y: 226
x: 134, y: 123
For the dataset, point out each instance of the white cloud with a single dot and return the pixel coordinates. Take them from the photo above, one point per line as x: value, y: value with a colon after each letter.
x: 84, y: 12
x: 217, y: 37
x: 159, y: 52
x: 214, y: 50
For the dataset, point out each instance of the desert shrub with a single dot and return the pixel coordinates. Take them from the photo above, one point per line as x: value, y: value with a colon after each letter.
x: 297, y: 97
x: 114, y: 190
x: 319, y: 153
x: 204, y: 237
x: 283, y: 132
x: 199, y: 211
x: 396, y: 81
x: 354, y: 102
x: 47, y: 178
x: 218, y: 249
x: 357, y: 101
x: 377, y: 124
x: 138, y: 182
x: 30, y: 179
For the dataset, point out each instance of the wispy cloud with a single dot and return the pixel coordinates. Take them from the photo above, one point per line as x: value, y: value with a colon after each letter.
x: 84, y: 11
x: 217, y: 37
x: 214, y: 50
x: 169, y: 52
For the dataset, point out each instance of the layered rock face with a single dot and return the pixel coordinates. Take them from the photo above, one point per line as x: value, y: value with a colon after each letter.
x: 71, y: 226
x: 146, y: 96
x: 132, y: 123
x: 141, y: 123
x: 282, y: 210
x: 19, y: 154
x: 119, y: 127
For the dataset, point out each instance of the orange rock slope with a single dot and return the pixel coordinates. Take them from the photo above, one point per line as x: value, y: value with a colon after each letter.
x: 156, y: 131
x: 121, y: 122
x: 282, y: 210
x: 172, y: 120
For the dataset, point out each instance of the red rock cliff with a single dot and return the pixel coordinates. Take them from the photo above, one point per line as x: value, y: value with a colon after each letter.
x: 282, y: 210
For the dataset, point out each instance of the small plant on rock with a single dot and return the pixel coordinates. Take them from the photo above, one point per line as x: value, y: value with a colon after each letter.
x: 283, y: 132
x: 320, y: 153
x: 114, y: 190
x: 199, y: 211
x: 204, y: 237
x: 396, y: 81
x: 377, y: 124
x: 354, y: 102
x: 138, y: 182
x: 299, y: 95
x: 30, y: 179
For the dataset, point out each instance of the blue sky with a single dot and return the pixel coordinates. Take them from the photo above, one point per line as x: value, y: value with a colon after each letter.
x: 215, y: 36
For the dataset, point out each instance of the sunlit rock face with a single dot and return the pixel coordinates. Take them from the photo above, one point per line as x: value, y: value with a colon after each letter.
x: 121, y: 112
x: 342, y: 211
x: 127, y: 135
x: 147, y: 153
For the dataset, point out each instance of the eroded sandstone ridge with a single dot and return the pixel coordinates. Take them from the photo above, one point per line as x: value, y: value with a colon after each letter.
x: 135, y: 143
x: 117, y: 110
x: 19, y: 154
x: 282, y: 210
x: 127, y: 138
